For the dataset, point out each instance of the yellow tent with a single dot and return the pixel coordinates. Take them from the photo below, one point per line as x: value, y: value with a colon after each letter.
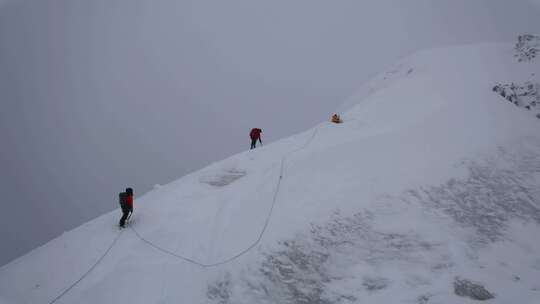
x: 336, y: 119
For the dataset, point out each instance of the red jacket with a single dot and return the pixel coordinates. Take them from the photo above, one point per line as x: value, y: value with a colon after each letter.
x: 255, y: 134
x: 130, y: 201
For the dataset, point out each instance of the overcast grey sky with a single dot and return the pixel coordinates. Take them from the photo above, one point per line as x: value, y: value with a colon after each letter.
x: 100, y: 94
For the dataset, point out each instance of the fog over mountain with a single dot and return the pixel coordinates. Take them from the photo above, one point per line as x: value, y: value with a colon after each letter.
x: 97, y: 95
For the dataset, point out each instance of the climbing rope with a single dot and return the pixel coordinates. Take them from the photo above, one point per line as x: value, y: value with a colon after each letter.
x: 89, y: 270
x: 241, y: 253
x: 261, y: 233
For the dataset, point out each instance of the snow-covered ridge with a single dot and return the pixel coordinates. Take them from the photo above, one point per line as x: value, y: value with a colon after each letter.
x: 427, y: 193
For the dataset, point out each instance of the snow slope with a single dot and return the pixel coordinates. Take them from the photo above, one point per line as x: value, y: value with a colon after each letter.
x: 427, y: 193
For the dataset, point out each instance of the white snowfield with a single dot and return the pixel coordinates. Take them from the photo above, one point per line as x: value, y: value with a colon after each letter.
x: 429, y: 192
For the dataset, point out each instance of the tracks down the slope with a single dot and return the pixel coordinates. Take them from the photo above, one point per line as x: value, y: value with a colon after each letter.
x: 89, y: 270
x: 263, y: 230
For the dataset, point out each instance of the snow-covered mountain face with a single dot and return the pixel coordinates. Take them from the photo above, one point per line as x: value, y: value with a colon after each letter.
x: 525, y: 94
x: 428, y: 192
x: 527, y: 47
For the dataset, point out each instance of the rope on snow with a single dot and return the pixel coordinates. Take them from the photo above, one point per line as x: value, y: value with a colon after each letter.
x: 263, y: 230
x: 89, y: 270
x: 225, y: 261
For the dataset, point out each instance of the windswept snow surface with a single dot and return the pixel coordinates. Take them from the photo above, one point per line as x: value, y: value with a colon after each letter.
x: 427, y: 193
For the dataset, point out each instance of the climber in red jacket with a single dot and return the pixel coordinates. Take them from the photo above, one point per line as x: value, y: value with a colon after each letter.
x: 126, y: 204
x: 255, y: 135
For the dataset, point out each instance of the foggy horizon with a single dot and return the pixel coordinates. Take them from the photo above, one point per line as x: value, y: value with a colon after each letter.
x: 101, y: 95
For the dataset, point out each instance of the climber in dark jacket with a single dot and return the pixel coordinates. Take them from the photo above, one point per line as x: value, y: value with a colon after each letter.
x: 126, y: 203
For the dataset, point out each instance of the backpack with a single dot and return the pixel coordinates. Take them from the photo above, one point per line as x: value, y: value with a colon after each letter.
x: 122, y: 200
